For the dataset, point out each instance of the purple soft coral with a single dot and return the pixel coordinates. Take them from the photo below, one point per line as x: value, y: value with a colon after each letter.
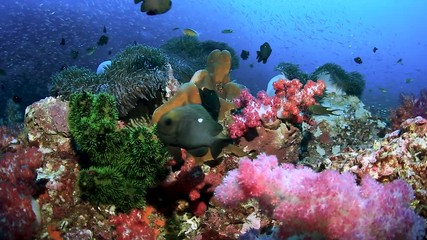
x: 329, y: 203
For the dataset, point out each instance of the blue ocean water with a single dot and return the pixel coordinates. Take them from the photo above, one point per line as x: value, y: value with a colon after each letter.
x: 306, y: 32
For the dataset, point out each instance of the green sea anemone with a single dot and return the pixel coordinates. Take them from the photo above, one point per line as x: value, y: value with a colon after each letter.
x: 351, y: 83
x: 120, y: 163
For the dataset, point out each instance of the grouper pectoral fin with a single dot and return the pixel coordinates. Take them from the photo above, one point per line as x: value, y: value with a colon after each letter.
x: 218, y: 145
x: 198, y: 152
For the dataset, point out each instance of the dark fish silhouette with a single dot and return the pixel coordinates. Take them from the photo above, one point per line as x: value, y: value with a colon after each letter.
x: 103, y: 40
x: 104, y: 30
x: 62, y: 42
x: 74, y: 54
x: 16, y: 99
x: 2, y: 86
x: 90, y: 50
x: 154, y: 7
x: 400, y: 61
x: 321, y: 110
x: 375, y: 49
x: 358, y: 60
x: 227, y: 31
x: 244, y: 55
x: 110, y: 52
x: 263, y: 53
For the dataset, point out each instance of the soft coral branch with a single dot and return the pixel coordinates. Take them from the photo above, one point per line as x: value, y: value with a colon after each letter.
x: 329, y: 203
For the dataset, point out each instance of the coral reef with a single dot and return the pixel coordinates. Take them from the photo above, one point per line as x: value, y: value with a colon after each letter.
x: 214, y: 77
x: 351, y: 126
x: 123, y: 162
x: 352, y: 83
x: 329, y: 203
x: 334, y: 76
x: 289, y: 103
x: 188, y: 54
x: 135, y: 78
x: 138, y: 224
x: 399, y: 155
x: 62, y: 212
x: 292, y: 71
x: 410, y: 106
x: 283, y: 142
x: 46, y: 125
x: 191, y: 187
x: 74, y: 79
x: 19, y: 214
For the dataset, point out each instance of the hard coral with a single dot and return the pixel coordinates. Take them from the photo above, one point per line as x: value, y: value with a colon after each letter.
x: 214, y: 77
x: 329, y: 203
x: 400, y: 155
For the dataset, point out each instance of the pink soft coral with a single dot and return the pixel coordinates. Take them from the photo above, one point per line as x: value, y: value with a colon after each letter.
x: 291, y: 100
x: 329, y: 203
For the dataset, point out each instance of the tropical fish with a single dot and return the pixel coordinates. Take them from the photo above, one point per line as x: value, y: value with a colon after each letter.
x: 263, y: 53
x: 2, y: 72
x: 154, y: 7
x: 190, y: 32
x: 210, y: 101
x: 16, y: 99
x: 191, y: 127
x: 244, y: 55
x: 62, y: 42
x: 74, y: 54
x: 103, y: 40
x: 358, y: 60
x: 375, y: 49
x: 227, y: 31
x: 90, y: 50
x: 321, y: 110
x: 384, y: 90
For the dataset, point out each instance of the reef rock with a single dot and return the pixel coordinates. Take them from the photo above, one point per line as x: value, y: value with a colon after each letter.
x: 400, y: 154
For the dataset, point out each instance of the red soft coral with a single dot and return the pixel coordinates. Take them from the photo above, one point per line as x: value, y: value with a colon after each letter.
x: 17, y: 185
